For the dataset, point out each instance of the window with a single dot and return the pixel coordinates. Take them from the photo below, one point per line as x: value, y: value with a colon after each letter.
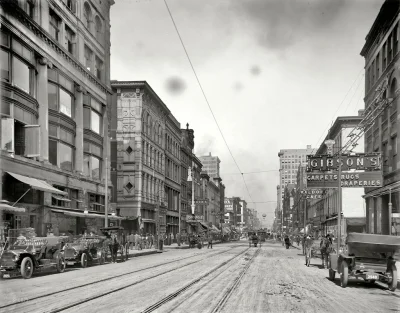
x: 99, y: 32
x: 98, y: 68
x: 394, y: 153
x: 384, y: 57
x: 88, y: 58
x: 92, y: 117
x: 87, y: 14
x: 395, y: 40
x: 389, y: 41
x: 69, y: 40
x: 373, y: 72
x: 59, y: 95
x: 377, y: 65
x: 28, y: 7
x: 54, y: 27
x: 21, y: 75
x: 385, y: 157
x: 4, y: 66
x: 61, y: 149
x: 95, y: 167
x: 71, y: 5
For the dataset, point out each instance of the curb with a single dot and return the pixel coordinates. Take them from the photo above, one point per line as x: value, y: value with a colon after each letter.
x: 133, y: 255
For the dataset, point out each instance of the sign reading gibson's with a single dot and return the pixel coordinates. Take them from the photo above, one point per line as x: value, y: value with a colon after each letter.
x: 348, y: 180
x: 368, y: 162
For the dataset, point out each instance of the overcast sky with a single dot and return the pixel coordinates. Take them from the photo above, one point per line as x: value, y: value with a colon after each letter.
x: 275, y: 73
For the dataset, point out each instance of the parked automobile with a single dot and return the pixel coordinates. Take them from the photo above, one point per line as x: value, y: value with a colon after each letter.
x: 26, y: 256
x: 85, y: 250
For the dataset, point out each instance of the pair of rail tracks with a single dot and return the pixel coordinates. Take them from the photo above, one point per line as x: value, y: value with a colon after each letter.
x: 101, y: 282
x: 225, y: 296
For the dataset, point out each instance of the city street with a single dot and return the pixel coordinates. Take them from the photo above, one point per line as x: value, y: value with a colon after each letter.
x: 229, y: 278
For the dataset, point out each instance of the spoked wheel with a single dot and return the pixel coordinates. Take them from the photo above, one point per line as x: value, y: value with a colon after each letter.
x: 61, y: 264
x: 27, y: 268
x: 84, y: 260
x: 392, y: 283
x: 344, y: 275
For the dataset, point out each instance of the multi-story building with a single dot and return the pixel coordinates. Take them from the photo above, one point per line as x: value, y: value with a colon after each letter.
x: 172, y: 173
x: 288, y: 207
x: 289, y: 161
x: 211, y: 191
x: 186, y: 155
x: 211, y: 165
x: 241, y: 215
x: 323, y: 212
x: 55, y: 69
x: 382, y: 75
x: 141, y: 143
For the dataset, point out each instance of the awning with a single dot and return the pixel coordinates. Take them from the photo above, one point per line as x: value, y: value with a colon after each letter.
x: 213, y: 227
x: 148, y: 220
x: 394, y: 187
x: 37, y: 184
x: 204, y: 225
x: 61, y: 198
x: 86, y: 215
x: 9, y: 208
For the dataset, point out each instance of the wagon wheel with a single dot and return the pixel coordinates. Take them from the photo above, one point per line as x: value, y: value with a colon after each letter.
x: 344, y: 275
x: 393, y: 278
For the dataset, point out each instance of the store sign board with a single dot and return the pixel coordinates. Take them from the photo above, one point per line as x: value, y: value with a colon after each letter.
x: 228, y: 205
x: 201, y: 201
x: 348, y: 180
x: 195, y: 218
x: 369, y: 162
x: 312, y: 193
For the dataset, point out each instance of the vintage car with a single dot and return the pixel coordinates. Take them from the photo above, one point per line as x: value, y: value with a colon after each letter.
x: 85, y: 250
x: 368, y: 256
x: 25, y: 256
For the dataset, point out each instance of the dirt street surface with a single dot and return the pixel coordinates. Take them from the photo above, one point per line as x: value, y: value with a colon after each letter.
x: 229, y: 278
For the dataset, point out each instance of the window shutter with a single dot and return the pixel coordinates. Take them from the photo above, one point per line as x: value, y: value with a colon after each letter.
x: 32, y: 141
x: 7, y: 134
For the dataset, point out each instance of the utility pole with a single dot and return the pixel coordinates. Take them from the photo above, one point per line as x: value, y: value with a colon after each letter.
x: 106, y: 198
x: 390, y: 211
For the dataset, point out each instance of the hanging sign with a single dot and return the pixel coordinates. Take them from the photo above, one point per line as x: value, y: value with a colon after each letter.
x: 368, y: 162
x: 312, y: 193
x: 348, y: 180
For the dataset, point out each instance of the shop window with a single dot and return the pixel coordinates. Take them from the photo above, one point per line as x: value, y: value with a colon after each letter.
x: 18, y: 222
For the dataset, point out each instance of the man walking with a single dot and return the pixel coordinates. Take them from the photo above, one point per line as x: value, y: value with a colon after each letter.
x: 178, y: 239
x: 131, y: 240
x: 137, y: 241
x: 209, y: 241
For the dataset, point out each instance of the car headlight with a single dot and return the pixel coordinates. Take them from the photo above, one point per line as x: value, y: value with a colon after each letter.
x: 75, y: 253
x: 16, y: 257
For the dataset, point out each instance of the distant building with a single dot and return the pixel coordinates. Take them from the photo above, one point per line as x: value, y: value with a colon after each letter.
x: 211, y: 165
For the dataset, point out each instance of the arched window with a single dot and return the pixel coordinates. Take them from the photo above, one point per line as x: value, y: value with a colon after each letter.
x: 87, y: 14
x: 159, y: 134
x: 98, y: 29
x: 148, y: 124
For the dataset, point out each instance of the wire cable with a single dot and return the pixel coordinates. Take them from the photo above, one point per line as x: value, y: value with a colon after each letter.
x: 205, y: 97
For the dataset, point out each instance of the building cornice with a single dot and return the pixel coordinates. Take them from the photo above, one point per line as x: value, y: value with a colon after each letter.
x: 15, y: 10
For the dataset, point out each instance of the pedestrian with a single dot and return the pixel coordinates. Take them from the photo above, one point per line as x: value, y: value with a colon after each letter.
x: 137, y: 241
x: 178, y: 239
x: 326, y: 246
x: 131, y: 240
x: 147, y: 241
x: 151, y: 240
x: 210, y: 239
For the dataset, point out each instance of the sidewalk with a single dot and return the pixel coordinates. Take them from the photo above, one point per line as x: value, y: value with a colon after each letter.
x: 134, y: 253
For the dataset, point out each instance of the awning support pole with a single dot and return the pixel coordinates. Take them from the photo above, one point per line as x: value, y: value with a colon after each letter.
x: 22, y: 196
x: 390, y: 211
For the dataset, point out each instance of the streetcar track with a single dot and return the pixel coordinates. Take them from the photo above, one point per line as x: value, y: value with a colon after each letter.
x: 173, y: 295
x: 117, y: 276
x: 221, y: 303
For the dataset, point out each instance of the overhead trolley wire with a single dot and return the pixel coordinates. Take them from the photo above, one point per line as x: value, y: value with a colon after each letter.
x: 205, y: 97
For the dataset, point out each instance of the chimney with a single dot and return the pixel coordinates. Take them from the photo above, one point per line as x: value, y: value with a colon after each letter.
x: 361, y: 112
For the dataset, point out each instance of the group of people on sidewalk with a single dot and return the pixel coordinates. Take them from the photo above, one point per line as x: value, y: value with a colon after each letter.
x: 140, y: 242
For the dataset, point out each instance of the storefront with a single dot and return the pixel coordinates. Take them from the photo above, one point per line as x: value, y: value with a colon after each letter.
x: 7, y: 213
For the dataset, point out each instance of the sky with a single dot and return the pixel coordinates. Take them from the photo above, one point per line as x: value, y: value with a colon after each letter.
x: 276, y: 74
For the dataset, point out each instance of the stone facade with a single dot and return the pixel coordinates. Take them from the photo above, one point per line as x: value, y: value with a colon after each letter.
x: 55, y: 57
x: 382, y: 75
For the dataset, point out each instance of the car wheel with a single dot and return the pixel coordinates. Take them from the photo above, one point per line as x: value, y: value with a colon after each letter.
x: 26, y: 267
x: 393, y: 281
x: 61, y: 264
x: 344, y: 275
x: 84, y: 260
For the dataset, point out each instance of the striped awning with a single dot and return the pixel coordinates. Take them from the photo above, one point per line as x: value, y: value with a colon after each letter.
x: 37, y: 184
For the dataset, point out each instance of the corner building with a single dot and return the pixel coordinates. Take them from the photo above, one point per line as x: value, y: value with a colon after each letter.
x: 141, y: 142
x: 55, y: 61
x: 381, y: 53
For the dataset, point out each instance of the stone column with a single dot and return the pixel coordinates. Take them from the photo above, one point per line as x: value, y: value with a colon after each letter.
x: 42, y: 97
x: 44, y: 15
x: 79, y: 129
